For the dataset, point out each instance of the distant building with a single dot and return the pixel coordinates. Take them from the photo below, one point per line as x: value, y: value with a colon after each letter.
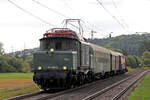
x: 21, y: 53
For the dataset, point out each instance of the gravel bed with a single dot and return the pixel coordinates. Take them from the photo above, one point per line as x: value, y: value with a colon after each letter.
x: 84, y: 92
x: 114, y: 91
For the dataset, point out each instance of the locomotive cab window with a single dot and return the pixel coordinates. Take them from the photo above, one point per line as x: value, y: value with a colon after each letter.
x: 59, y: 44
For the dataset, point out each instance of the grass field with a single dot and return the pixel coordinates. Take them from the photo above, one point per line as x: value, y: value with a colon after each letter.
x: 142, y: 92
x: 13, y: 84
x: 16, y: 75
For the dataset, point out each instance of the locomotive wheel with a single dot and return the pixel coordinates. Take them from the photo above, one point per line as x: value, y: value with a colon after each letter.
x: 90, y: 76
x: 71, y: 82
x: 80, y: 79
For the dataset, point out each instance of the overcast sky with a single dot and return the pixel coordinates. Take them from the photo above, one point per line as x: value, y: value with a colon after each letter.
x: 19, y: 30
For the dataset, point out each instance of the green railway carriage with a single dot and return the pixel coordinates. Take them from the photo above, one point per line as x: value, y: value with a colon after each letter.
x: 66, y: 60
x: 101, y: 60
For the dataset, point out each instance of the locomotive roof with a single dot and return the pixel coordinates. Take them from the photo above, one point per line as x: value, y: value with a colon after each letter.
x: 63, y: 33
x: 57, y: 38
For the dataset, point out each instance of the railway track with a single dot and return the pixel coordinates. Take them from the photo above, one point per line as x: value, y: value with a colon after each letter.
x: 117, y: 90
x: 78, y: 93
x: 41, y: 95
x: 132, y: 86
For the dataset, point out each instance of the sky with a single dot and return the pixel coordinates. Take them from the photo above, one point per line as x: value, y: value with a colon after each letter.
x: 20, y: 30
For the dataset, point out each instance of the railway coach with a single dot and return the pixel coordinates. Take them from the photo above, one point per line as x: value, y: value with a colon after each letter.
x: 66, y: 60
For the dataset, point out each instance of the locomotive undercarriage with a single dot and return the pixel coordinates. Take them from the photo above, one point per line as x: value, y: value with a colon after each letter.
x: 61, y: 79
x: 50, y: 79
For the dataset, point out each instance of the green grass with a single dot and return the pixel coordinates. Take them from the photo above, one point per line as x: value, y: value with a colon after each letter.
x: 5, y: 93
x: 132, y: 69
x: 142, y: 92
x: 16, y: 75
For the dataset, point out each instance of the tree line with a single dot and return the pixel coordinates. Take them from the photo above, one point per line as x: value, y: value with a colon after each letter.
x: 14, y: 63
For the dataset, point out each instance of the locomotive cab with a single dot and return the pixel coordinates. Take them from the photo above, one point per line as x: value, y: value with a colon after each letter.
x: 56, y: 53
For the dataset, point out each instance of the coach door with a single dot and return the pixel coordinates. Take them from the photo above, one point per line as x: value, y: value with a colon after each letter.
x: 85, y: 55
x: 91, y: 58
x: 110, y: 62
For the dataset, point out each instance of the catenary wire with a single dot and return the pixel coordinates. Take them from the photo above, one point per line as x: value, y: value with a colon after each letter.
x: 122, y: 19
x: 113, y: 2
x: 97, y: 28
x: 50, y: 9
x: 100, y: 2
x: 67, y: 5
x: 37, y: 2
x: 31, y: 14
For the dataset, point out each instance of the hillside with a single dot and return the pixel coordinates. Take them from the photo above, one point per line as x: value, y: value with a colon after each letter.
x: 129, y: 43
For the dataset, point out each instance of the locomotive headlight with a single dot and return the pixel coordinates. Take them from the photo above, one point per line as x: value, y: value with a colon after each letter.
x: 64, y: 67
x: 51, y: 50
x: 39, y: 67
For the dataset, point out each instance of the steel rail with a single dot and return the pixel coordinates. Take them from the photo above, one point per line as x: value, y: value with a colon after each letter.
x: 90, y: 97
x: 119, y: 95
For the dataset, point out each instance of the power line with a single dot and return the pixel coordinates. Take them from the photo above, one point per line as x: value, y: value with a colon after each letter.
x: 50, y: 9
x: 57, y: 11
x: 66, y: 4
x: 111, y: 14
x: 115, y: 6
x: 31, y: 14
x: 113, y: 2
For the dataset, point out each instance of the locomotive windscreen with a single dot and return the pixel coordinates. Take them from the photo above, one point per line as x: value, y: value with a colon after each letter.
x: 58, y: 44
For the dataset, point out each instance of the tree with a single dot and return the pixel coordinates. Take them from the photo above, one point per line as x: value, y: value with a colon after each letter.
x: 29, y: 60
x: 1, y: 49
x: 121, y: 51
x: 13, y: 64
x: 19, y: 64
x: 146, y: 58
x: 144, y: 46
x: 138, y: 61
x: 133, y: 61
x: 124, y: 52
x: 4, y: 66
